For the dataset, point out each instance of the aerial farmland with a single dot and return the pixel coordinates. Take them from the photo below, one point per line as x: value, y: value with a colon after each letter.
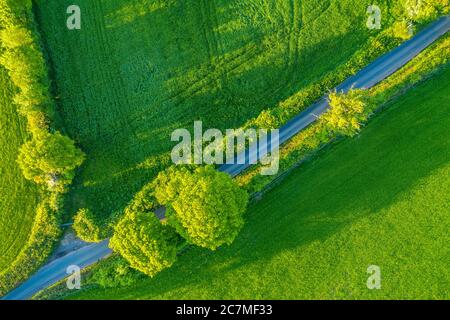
x: 224, y: 150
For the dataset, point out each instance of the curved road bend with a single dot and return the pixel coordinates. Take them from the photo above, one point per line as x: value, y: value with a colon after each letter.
x: 377, y: 71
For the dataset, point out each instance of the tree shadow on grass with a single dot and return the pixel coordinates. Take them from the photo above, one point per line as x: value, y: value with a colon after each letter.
x: 117, y: 144
x: 356, y: 179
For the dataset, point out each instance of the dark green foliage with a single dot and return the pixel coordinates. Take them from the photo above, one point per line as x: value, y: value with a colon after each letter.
x: 148, y: 245
x: 15, y: 12
x: 116, y: 272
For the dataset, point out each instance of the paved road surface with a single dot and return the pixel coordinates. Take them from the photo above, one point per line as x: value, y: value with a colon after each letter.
x: 366, y: 78
x: 57, y: 270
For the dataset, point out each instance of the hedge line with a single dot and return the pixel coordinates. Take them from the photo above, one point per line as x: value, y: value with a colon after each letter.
x: 318, y: 135
x: 380, y: 43
x: 44, y: 235
x: 53, y: 168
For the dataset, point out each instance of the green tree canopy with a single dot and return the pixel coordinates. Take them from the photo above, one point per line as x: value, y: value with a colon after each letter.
x: 14, y: 11
x: 347, y: 112
x: 419, y: 10
x: 148, y: 245
x: 26, y: 66
x: 16, y: 36
x: 50, y: 159
x: 86, y: 226
x: 204, y: 205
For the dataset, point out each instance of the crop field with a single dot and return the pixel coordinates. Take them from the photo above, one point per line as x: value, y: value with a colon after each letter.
x: 19, y: 197
x: 139, y: 69
x: 378, y: 199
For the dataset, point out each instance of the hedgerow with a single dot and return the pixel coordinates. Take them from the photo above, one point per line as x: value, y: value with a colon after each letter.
x: 87, y: 228
x: 115, y: 272
x: 49, y: 158
x: 44, y: 235
x: 316, y: 136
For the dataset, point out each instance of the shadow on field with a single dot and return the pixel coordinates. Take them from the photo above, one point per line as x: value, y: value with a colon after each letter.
x: 141, y: 71
x: 358, y: 178
x: 122, y: 167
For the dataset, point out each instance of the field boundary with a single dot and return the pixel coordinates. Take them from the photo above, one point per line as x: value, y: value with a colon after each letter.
x: 423, y: 67
x: 36, y: 103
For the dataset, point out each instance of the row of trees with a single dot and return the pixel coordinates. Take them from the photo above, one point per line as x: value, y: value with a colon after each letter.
x: 49, y: 158
x: 203, y: 206
x: 417, y: 11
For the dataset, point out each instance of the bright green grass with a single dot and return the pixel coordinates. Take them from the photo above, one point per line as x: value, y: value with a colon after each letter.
x: 139, y: 69
x: 18, y: 197
x: 379, y: 199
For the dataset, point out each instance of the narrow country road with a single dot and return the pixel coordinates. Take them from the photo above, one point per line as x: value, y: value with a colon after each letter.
x: 57, y: 270
x: 366, y: 78
x: 374, y: 73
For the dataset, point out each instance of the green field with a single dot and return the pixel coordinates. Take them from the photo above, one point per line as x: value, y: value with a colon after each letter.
x: 139, y: 69
x: 19, y: 197
x: 378, y: 199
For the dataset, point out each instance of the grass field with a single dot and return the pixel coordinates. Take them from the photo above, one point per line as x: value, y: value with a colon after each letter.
x: 19, y: 197
x: 139, y: 69
x: 378, y: 199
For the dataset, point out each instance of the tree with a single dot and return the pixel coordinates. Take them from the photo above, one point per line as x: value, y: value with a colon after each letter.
x: 403, y: 29
x: 116, y: 272
x: 26, y: 66
x: 15, y: 36
x: 86, y: 226
x: 50, y: 159
x: 205, y: 206
x: 14, y: 11
x: 148, y: 245
x: 33, y: 98
x: 144, y: 200
x: 420, y: 10
x: 346, y: 113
